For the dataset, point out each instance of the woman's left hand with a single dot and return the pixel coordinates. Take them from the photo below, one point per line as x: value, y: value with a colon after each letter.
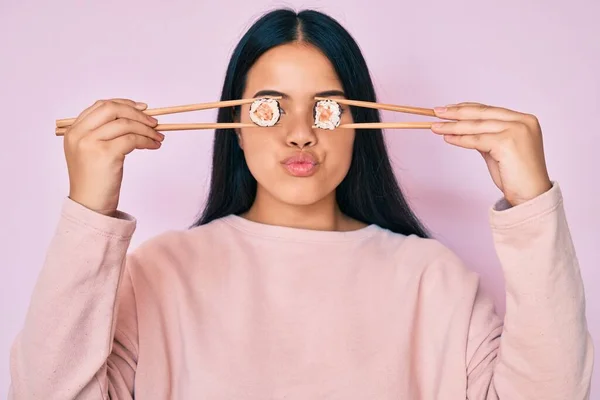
x: 509, y: 141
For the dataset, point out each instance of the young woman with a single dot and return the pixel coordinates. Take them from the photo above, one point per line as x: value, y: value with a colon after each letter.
x: 307, y: 275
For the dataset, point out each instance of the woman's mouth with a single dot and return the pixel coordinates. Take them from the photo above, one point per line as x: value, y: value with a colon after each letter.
x: 301, y: 165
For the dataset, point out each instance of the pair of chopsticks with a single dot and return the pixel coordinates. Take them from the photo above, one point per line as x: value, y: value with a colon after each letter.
x: 388, y: 107
x: 63, y: 124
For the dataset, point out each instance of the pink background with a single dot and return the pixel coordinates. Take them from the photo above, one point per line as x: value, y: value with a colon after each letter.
x: 58, y: 57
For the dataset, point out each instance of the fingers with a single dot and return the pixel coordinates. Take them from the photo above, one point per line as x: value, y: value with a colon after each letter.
x: 482, y: 135
x: 484, y: 143
x: 125, y: 144
x: 124, y: 126
x: 106, y: 111
x: 87, y: 111
x: 472, y: 127
x: 474, y: 111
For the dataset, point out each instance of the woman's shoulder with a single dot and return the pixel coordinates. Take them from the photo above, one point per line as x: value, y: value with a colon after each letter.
x: 425, y: 257
x: 437, y: 272
x: 177, y: 243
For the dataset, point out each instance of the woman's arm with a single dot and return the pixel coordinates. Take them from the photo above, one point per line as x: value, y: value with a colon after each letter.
x: 543, y: 350
x: 74, y: 345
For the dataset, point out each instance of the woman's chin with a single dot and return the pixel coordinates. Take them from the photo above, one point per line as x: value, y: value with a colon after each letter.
x: 300, y: 199
x: 304, y: 193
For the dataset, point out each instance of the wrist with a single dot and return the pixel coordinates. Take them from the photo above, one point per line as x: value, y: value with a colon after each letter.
x: 107, y: 211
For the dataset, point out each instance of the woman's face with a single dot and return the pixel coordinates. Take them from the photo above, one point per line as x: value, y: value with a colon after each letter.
x: 292, y: 162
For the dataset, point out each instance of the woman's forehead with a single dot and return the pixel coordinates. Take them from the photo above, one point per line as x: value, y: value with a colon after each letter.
x: 295, y: 69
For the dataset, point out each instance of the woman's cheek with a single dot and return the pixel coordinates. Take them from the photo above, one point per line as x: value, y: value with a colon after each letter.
x: 260, y: 159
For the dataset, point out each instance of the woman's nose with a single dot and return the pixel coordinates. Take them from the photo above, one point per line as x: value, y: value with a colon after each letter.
x: 301, y: 133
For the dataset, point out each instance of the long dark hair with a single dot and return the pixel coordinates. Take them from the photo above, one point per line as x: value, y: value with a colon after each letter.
x: 369, y: 192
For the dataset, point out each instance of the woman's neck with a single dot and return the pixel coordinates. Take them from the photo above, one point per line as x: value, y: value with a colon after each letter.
x: 324, y: 215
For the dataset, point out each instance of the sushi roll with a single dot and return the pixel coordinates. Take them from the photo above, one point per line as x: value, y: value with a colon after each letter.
x: 265, y: 112
x: 327, y: 114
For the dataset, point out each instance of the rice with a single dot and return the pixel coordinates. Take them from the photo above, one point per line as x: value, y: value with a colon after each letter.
x: 265, y: 112
x: 327, y: 114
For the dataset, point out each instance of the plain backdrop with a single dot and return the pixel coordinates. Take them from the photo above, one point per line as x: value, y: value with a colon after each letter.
x: 56, y: 58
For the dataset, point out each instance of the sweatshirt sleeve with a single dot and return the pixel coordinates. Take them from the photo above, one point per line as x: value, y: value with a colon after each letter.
x: 74, y: 345
x: 543, y: 349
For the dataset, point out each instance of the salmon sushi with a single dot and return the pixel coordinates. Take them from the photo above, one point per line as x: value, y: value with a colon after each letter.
x: 265, y: 112
x: 327, y: 114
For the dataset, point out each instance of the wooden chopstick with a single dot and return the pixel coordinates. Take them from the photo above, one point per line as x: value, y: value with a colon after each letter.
x: 388, y: 125
x: 62, y: 123
x: 390, y: 107
x: 184, y: 127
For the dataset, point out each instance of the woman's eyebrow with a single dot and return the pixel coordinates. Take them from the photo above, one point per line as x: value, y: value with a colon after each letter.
x: 326, y: 93
x: 274, y: 93
x: 331, y: 93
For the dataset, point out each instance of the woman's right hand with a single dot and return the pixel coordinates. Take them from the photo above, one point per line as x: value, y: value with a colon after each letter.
x: 95, y: 149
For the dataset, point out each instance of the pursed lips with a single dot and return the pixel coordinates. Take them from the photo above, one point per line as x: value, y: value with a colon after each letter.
x: 301, y: 164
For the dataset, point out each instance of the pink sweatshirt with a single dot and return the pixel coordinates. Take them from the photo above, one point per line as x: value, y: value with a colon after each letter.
x: 241, y: 310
